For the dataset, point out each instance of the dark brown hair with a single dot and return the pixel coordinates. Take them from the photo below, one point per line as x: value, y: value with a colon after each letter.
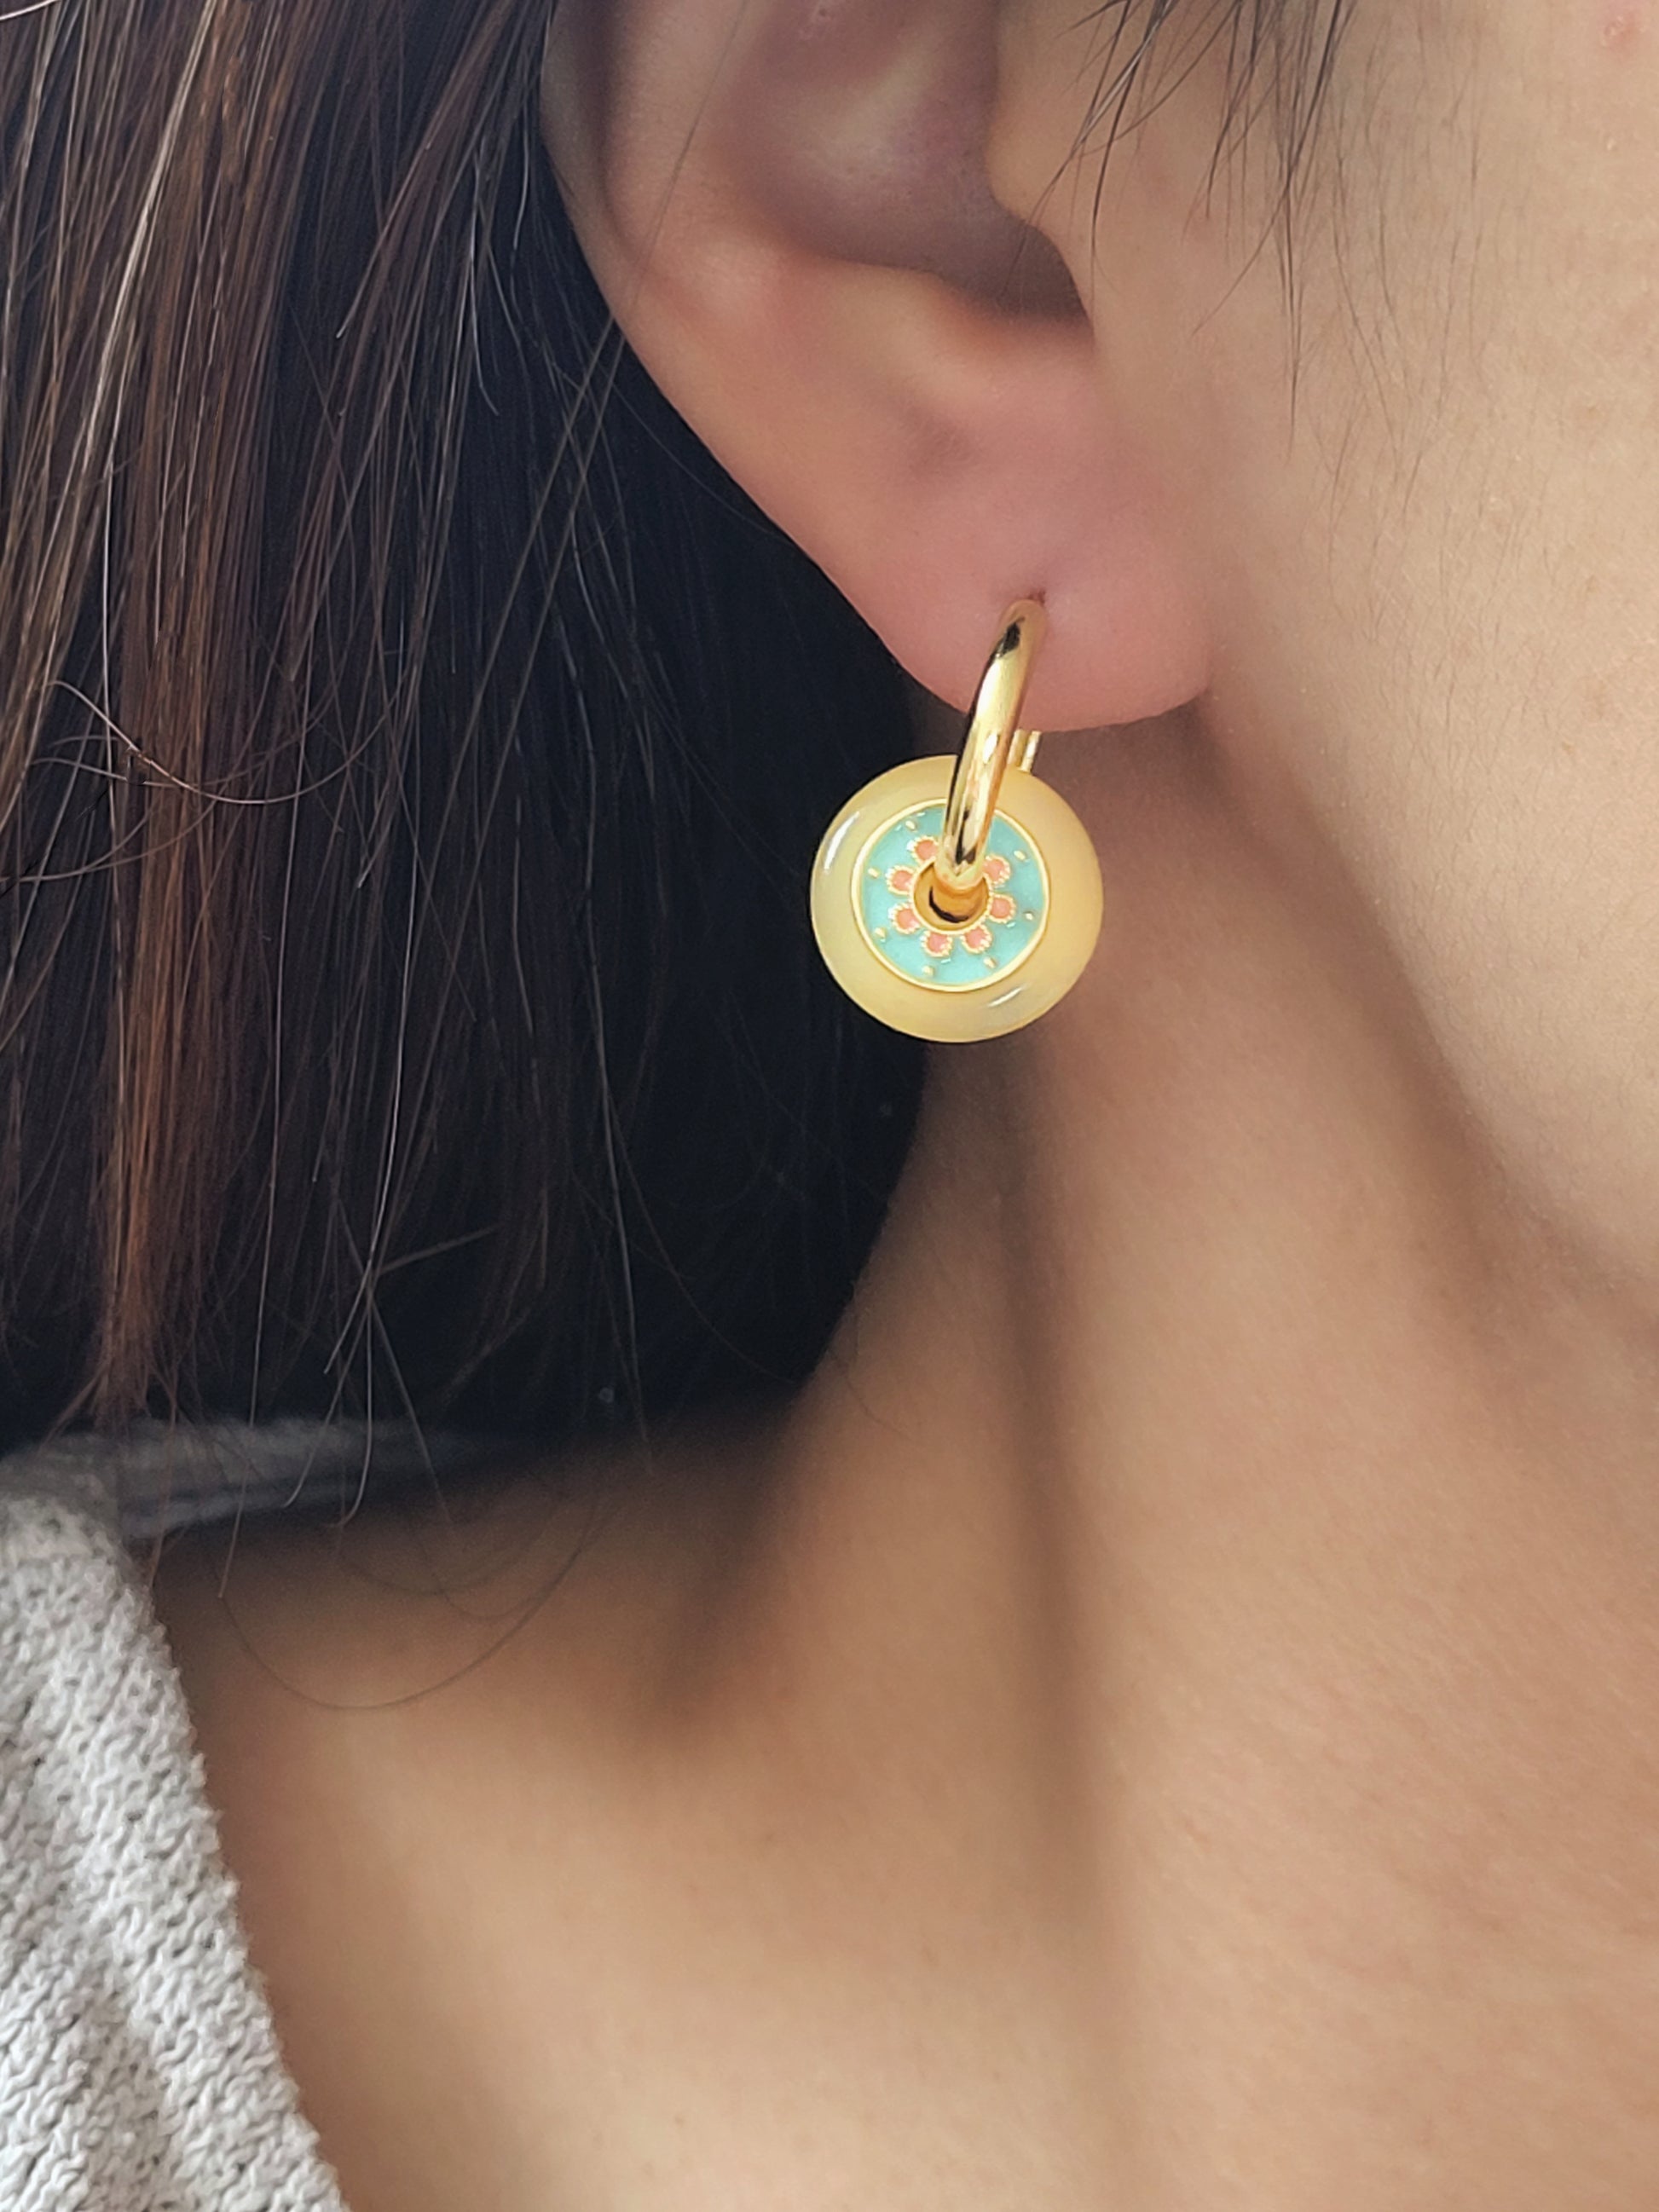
x: 411, y: 750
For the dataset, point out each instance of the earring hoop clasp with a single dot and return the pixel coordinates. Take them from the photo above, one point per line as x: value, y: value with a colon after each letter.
x: 994, y: 742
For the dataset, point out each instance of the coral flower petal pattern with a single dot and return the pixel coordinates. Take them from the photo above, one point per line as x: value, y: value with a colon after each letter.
x: 974, y: 955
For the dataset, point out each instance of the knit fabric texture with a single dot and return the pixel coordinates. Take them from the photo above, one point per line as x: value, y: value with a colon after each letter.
x: 139, y: 2068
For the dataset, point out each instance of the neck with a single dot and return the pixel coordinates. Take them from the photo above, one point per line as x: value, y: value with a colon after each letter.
x: 1217, y: 1448
x: 1164, y: 1721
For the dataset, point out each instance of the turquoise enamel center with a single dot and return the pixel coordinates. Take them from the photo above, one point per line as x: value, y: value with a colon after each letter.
x: 911, y: 943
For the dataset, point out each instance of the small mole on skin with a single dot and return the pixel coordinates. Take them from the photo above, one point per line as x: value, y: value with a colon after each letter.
x: 1621, y: 25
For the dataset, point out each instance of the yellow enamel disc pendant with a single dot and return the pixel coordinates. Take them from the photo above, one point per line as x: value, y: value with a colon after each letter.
x: 960, y: 899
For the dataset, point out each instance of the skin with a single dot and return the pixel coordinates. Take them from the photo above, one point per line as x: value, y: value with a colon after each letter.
x: 1166, y: 1719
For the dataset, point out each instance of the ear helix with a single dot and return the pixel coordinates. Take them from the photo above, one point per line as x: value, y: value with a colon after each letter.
x: 957, y: 900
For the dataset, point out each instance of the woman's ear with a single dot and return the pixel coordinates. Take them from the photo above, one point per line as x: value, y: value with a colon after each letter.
x: 786, y: 203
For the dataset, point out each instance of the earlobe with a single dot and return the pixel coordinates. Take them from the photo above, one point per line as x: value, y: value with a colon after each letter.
x: 821, y: 300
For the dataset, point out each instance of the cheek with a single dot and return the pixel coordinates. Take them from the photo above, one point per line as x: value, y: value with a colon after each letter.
x: 1621, y: 24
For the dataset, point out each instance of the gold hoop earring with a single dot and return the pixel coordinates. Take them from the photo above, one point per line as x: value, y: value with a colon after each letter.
x: 959, y: 900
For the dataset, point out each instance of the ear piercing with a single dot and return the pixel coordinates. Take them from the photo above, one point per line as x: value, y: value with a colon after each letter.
x: 957, y: 900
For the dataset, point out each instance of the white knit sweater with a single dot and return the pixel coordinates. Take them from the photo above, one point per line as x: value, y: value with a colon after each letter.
x: 139, y: 2070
